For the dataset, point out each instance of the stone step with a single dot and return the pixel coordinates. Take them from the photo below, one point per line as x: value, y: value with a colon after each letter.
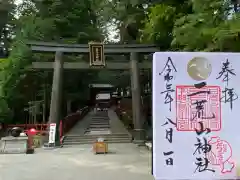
x: 97, y: 125
x: 97, y: 122
x: 81, y: 143
x: 101, y: 123
x: 97, y: 136
x: 87, y: 141
x: 100, y: 127
x: 101, y: 131
x: 100, y: 118
x: 97, y: 129
x: 94, y: 139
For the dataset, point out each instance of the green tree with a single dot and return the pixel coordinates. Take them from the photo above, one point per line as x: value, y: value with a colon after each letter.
x: 123, y: 14
x: 7, y: 10
x: 193, y: 25
x: 61, y: 21
x: 213, y: 26
x: 160, y: 20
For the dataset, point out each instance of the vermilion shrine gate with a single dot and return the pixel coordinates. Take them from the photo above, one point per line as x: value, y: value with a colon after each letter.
x: 97, y: 61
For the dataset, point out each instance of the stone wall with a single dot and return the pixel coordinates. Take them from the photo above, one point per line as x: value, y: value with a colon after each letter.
x: 125, y: 114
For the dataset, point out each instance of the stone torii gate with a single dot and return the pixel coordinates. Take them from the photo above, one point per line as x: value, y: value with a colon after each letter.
x: 132, y: 64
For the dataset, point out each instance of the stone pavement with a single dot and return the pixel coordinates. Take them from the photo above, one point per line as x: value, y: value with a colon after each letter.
x: 125, y: 162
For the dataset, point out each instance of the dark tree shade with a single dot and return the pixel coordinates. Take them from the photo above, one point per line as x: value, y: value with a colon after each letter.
x: 3, y: 53
x: 132, y: 31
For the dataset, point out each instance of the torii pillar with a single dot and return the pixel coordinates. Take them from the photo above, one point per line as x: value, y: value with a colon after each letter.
x: 56, y: 96
x: 139, y: 133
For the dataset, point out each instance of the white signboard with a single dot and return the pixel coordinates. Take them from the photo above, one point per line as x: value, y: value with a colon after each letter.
x: 103, y: 96
x: 196, y: 111
x: 52, y: 132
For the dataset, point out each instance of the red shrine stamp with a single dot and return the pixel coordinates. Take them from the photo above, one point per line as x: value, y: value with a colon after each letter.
x: 194, y: 105
x: 220, y: 154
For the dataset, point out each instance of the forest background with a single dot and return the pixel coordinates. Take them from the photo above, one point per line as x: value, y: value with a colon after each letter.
x: 173, y: 25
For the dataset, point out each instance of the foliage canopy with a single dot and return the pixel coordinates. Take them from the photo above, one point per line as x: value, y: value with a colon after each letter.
x: 174, y: 25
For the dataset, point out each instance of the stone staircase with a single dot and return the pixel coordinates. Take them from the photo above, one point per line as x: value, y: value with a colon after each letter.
x: 98, y: 127
x: 113, y: 138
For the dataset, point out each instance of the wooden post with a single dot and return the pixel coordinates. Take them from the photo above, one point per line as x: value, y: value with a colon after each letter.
x: 139, y: 135
x: 44, y: 104
x: 69, y: 102
x: 56, y: 96
x: 34, y: 106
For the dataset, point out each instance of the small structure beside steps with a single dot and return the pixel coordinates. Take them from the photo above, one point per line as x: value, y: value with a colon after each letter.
x: 17, y: 143
x: 14, y: 145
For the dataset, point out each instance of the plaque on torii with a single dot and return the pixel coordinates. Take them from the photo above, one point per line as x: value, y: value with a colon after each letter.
x: 96, y: 52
